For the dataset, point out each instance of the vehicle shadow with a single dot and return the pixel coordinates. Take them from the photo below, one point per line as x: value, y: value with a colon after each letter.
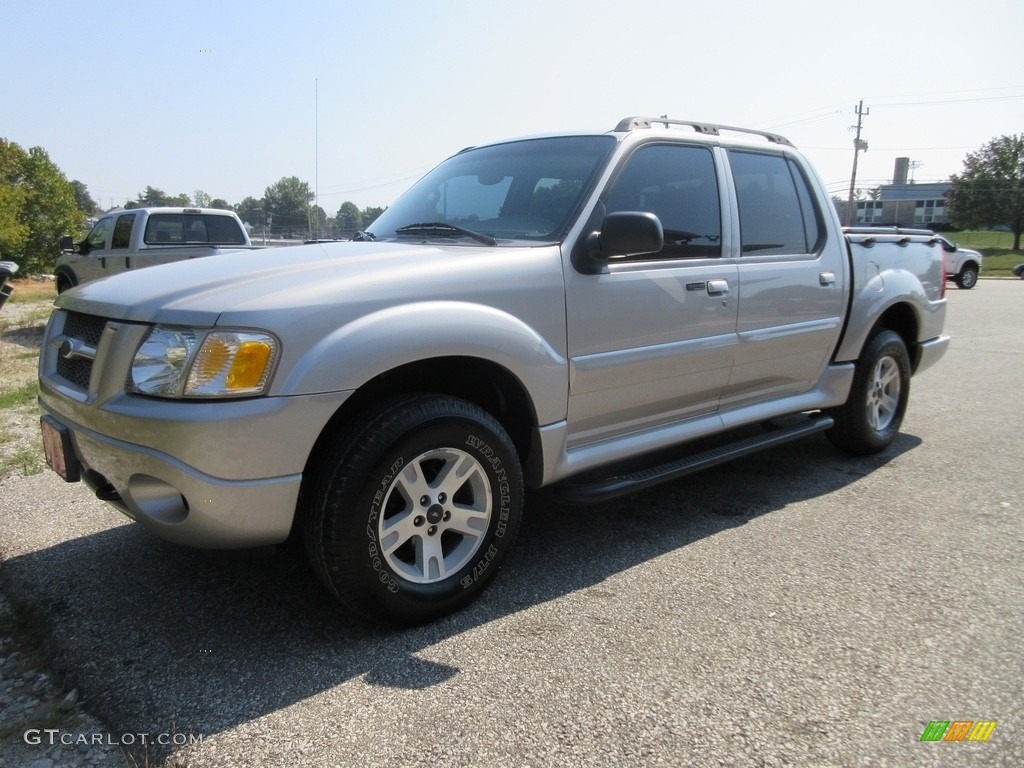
x: 163, y: 639
x: 28, y: 336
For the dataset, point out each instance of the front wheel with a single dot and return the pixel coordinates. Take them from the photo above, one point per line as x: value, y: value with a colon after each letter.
x: 968, y: 277
x: 412, y: 511
x: 871, y: 417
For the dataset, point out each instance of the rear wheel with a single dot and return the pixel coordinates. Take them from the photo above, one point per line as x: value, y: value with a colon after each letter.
x: 412, y: 511
x: 870, y: 419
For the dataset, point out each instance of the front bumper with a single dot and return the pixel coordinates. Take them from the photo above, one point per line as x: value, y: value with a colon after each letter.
x: 205, y: 473
x: 198, y: 507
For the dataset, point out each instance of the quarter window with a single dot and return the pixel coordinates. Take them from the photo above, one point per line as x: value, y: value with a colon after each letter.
x: 677, y: 184
x: 777, y: 213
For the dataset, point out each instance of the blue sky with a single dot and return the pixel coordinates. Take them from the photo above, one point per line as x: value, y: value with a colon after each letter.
x: 359, y: 99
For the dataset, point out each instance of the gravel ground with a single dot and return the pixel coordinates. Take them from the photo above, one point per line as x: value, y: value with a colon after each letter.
x: 32, y: 699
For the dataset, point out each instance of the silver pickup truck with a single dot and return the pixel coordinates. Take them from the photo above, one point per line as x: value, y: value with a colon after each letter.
x: 540, y: 312
x: 146, y: 237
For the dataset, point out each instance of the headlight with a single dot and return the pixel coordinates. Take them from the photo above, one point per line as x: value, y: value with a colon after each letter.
x: 192, y: 362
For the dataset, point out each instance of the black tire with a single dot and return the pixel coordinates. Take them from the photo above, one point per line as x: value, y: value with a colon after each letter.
x: 871, y: 417
x: 968, y: 277
x: 392, y: 531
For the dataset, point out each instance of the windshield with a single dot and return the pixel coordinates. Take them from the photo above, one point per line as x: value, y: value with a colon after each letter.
x: 520, y: 190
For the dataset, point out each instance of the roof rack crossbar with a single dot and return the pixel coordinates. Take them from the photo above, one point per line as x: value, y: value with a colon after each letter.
x: 635, y: 123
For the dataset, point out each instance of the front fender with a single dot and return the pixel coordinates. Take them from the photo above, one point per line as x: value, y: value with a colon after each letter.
x: 357, y: 352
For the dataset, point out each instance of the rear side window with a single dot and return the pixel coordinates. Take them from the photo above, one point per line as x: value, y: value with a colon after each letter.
x: 123, y: 232
x: 679, y: 185
x: 185, y: 228
x: 777, y: 213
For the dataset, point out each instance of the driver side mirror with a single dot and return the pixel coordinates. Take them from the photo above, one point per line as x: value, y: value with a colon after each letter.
x: 622, y: 234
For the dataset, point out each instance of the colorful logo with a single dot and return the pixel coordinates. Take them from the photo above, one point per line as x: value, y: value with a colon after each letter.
x: 958, y: 730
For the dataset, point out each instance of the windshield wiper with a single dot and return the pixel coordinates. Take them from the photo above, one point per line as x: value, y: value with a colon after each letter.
x: 444, y: 228
x: 362, y: 235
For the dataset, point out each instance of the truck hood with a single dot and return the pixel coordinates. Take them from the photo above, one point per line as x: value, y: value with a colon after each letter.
x: 238, y: 288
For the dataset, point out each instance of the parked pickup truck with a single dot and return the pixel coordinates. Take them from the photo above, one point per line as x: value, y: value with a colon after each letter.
x: 145, y: 237
x: 550, y: 311
x: 962, y: 264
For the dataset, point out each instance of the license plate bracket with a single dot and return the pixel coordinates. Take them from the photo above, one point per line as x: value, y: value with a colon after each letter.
x: 57, y: 448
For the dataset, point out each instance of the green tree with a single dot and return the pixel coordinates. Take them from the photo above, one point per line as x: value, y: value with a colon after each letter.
x: 251, y: 211
x: 83, y: 199
x: 154, y: 197
x: 990, y: 191
x: 319, y: 226
x: 220, y: 203
x: 37, y: 206
x: 348, y: 220
x: 370, y: 214
x: 13, y: 231
x: 288, y: 202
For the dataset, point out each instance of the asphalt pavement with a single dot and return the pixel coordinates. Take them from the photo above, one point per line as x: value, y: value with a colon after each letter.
x: 796, y: 608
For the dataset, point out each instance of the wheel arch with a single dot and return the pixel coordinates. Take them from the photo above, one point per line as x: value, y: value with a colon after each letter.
x: 904, y: 321
x: 68, y: 274
x: 485, y: 383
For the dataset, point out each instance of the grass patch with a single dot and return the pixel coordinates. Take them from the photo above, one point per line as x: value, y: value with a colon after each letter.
x: 26, y: 394
x: 26, y: 291
x: 24, y: 462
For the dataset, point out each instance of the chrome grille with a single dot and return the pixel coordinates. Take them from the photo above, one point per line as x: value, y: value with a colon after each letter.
x: 84, y: 329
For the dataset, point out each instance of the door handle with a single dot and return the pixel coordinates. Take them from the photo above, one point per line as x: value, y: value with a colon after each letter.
x: 718, y: 287
x: 827, y: 278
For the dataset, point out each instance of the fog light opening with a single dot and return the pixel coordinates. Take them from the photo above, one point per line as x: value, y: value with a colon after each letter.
x: 157, y: 500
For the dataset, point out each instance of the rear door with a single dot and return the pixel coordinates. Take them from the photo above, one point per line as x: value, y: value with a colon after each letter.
x: 652, y: 340
x: 792, y: 280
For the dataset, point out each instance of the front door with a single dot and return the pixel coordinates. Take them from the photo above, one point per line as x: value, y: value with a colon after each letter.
x: 652, y: 340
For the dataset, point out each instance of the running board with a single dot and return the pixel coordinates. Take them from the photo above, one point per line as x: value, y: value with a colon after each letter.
x: 620, y: 485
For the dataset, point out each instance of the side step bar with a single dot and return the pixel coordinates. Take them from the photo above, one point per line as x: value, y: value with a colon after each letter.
x: 620, y: 485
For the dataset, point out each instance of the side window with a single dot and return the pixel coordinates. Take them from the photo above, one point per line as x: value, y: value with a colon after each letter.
x: 678, y: 184
x: 98, y: 236
x: 123, y: 232
x: 777, y: 213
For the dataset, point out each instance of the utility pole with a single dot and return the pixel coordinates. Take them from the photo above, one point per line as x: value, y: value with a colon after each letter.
x: 316, y: 156
x: 858, y: 147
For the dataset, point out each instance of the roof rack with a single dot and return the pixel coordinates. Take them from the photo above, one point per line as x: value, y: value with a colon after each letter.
x: 634, y: 123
